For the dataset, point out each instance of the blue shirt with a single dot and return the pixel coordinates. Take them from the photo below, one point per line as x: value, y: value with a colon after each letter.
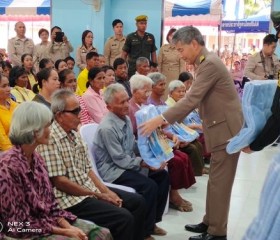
x: 114, y: 146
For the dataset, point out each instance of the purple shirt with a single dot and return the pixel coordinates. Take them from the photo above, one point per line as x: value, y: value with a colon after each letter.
x: 133, y: 108
x: 150, y: 100
x: 27, y: 196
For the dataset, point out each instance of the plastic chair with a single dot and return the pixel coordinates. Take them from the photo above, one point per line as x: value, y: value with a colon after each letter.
x: 87, y: 133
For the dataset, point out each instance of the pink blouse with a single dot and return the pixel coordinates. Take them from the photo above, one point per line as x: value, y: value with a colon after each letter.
x: 85, y: 117
x: 95, y: 105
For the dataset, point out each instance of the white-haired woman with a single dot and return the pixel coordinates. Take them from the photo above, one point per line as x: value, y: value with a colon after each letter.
x: 194, y: 149
x: 26, y: 191
x: 141, y: 88
x: 180, y: 172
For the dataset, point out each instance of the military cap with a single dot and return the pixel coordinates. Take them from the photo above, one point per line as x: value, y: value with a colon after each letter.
x: 275, y: 16
x: 141, y: 18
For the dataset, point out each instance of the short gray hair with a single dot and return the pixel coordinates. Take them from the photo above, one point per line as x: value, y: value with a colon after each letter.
x: 111, y: 90
x: 186, y: 34
x: 29, y: 117
x: 58, y: 99
x: 142, y: 60
x: 156, y: 77
x: 175, y: 84
x: 138, y: 81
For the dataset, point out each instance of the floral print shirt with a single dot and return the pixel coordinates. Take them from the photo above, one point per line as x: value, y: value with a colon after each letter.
x: 28, y: 207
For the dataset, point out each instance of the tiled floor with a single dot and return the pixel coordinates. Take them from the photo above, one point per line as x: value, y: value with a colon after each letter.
x: 250, y: 176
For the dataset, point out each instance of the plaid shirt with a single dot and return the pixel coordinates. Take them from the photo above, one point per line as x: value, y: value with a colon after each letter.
x: 66, y: 155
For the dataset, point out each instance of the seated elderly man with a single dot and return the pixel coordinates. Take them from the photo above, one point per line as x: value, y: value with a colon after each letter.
x: 116, y: 161
x: 142, y: 66
x: 77, y: 189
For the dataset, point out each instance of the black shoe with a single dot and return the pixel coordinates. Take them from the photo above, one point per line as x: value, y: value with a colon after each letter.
x: 197, y: 228
x: 207, y: 236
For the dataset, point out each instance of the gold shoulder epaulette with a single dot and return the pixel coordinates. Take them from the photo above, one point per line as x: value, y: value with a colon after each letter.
x: 201, y: 58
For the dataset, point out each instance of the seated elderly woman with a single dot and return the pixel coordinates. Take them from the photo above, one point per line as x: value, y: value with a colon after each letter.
x: 194, y: 149
x: 7, y: 107
x: 179, y: 167
x: 26, y: 191
x: 18, y: 79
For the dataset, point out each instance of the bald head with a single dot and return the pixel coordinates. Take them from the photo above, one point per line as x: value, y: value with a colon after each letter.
x: 20, y: 29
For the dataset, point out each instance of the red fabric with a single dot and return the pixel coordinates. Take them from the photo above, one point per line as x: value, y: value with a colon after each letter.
x: 180, y: 171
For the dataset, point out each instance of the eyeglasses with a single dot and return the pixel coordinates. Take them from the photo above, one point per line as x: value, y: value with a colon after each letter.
x: 75, y: 111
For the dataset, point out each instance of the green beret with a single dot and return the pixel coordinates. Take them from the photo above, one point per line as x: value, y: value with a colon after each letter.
x: 141, y: 18
x: 275, y: 16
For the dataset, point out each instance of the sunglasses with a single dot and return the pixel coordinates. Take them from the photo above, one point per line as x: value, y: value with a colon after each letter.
x: 75, y: 111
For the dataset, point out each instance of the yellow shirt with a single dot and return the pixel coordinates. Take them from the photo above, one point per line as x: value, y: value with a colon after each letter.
x: 170, y: 101
x: 22, y: 94
x: 5, y: 122
x: 31, y: 79
x: 82, y: 81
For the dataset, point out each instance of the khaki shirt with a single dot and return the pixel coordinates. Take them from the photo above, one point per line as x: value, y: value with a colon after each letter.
x: 113, y: 49
x: 41, y: 51
x: 254, y: 67
x: 81, y: 54
x: 60, y: 50
x: 17, y: 47
x: 169, y: 62
x: 214, y: 93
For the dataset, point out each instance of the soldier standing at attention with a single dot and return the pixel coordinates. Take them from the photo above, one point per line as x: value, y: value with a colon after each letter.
x: 19, y: 45
x: 113, y: 46
x: 139, y: 44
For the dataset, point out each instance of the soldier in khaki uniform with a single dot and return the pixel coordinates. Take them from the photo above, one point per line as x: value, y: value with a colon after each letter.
x: 264, y: 64
x: 113, y: 46
x: 139, y: 44
x: 59, y: 50
x: 87, y: 46
x: 19, y: 45
x: 169, y: 62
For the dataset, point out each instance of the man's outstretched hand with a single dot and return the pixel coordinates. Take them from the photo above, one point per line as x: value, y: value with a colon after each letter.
x: 151, y: 125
